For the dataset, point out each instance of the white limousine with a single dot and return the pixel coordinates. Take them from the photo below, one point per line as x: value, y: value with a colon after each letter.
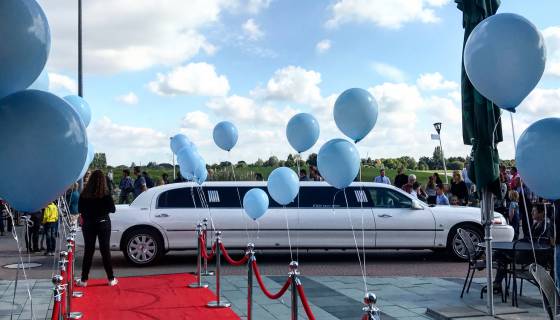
x: 164, y: 218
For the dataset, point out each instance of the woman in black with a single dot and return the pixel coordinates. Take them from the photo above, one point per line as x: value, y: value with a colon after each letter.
x: 459, y: 188
x: 95, y: 205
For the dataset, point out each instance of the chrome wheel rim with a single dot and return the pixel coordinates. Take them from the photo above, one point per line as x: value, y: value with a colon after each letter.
x: 459, y: 248
x: 142, y: 248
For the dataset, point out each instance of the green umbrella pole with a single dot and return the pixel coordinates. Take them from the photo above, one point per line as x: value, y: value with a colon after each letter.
x: 487, y: 211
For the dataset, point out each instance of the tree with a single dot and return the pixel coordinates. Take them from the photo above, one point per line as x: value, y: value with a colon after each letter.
x: 225, y: 164
x: 455, y: 165
x: 241, y: 164
x: 429, y: 162
x: 290, y: 161
x: 423, y: 166
x: 132, y: 165
x: 436, y: 158
x: 272, y: 161
x: 259, y: 163
x: 312, y: 159
x: 99, y: 161
x: 408, y: 162
x: 152, y: 164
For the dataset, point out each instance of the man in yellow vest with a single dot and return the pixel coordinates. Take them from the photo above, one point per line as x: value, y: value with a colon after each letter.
x: 50, y: 222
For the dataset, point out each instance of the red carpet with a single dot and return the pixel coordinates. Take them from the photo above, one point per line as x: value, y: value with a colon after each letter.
x: 148, y: 297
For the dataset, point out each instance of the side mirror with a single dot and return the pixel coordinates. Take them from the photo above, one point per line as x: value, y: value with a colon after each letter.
x: 416, y: 205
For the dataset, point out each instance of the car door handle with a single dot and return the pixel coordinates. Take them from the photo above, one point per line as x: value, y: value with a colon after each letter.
x: 384, y: 215
x: 163, y: 215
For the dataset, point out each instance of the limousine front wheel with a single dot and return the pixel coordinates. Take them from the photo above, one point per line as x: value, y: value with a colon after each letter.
x: 143, y: 247
x: 456, y: 247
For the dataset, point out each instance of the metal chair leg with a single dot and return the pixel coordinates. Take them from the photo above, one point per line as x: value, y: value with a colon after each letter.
x: 470, y: 281
x: 465, y: 283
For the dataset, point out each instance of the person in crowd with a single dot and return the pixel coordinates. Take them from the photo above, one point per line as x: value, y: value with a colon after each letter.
x: 515, y: 181
x: 473, y: 196
x: 513, y: 213
x: 86, y: 177
x: 437, y: 179
x: 258, y: 176
x: 501, y: 203
x: 465, y: 176
x: 165, y: 178
x: 409, y: 186
x: 50, y: 222
x: 455, y: 201
x: 541, y: 231
x: 418, y: 192
x: 73, y: 204
x: 32, y: 239
x: 126, y: 186
x: 110, y: 183
x: 314, y: 174
x: 148, y: 179
x: 431, y: 190
x: 96, y: 204
x: 400, y: 179
x: 441, y: 198
x: 459, y: 188
x: 382, y: 178
x: 525, y: 208
x: 303, y: 175
x: 139, y: 183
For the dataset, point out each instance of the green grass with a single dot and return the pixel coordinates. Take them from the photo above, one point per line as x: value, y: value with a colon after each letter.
x: 248, y: 173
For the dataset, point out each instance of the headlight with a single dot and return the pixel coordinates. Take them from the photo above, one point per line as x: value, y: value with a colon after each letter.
x: 499, y: 219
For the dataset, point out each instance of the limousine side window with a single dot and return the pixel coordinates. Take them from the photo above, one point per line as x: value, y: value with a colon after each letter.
x: 387, y: 198
x: 178, y: 198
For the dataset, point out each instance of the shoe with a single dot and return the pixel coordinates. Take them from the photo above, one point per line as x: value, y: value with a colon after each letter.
x: 51, y: 254
x: 80, y: 283
x: 113, y: 282
x: 46, y: 253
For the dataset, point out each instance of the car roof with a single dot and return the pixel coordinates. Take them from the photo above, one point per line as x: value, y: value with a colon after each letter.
x: 145, y: 198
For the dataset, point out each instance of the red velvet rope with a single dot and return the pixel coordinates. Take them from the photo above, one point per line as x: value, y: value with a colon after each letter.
x: 205, y: 254
x: 230, y: 260
x: 304, y: 302
x: 263, y: 288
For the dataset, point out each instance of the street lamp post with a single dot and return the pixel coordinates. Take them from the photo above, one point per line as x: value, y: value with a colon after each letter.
x: 437, y: 126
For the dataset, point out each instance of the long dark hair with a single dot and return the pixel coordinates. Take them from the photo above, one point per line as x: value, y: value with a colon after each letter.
x: 96, y: 186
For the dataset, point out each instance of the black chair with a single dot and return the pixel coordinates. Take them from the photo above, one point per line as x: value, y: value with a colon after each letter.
x: 548, y: 289
x: 520, y: 268
x: 475, y: 264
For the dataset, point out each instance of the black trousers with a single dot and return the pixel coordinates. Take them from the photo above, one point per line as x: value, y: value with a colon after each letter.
x: 92, y: 231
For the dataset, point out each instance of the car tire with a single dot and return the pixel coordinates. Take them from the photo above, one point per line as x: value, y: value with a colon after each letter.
x: 455, y: 247
x: 143, y: 247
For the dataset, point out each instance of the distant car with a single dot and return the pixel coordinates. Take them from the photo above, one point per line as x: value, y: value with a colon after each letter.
x: 164, y: 219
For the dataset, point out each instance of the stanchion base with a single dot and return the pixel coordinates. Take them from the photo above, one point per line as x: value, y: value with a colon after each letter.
x: 77, y: 294
x: 207, y: 273
x: 197, y: 286
x: 75, y: 315
x: 216, y: 304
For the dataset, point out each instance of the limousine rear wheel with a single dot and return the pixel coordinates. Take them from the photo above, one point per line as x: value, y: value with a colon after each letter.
x: 143, y: 247
x: 455, y: 246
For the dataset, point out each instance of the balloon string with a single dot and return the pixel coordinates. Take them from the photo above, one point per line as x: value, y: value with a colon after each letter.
x: 298, y: 158
x: 362, y: 269
x: 361, y: 199
x: 288, y: 229
x: 14, y: 234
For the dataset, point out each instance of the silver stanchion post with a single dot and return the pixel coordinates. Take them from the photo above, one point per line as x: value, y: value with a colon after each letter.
x: 205, y: 271
x: 72, y: 247
x: 218, y: 303
x: 295, y: 281
x: 251, y: 253
x: 198, y: 283
x: 371, y: 312
x: 70, y: 281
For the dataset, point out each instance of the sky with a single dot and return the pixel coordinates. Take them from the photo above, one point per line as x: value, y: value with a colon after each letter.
x: 153, y: 69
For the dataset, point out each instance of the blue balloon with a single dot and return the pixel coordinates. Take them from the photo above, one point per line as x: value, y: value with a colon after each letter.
x: 42, y: 82
x: 283, y: 185
x: 355, y: 113
x: 225, y: 135
x: 26, y: 42
x: 536, y: 157
x: 44, y: 148
x: 89, y: 160
x: 81, y: 106
x: 302, y: 131
x: 188, y: 159
x: 338, y: 162
x: 255, y: 203
x: 505, y: 58
x: 178, y: 142
x: 200, y: 172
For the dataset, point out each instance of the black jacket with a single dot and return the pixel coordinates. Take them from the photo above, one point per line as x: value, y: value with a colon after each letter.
x: 96, y: 209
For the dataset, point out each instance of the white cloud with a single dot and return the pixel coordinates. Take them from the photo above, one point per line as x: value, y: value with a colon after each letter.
x: 252, y: 30
x: 130, y: 98
x: 63, y: 84
x: 435, y: 81
x: 387, y: 14
x: 124, y: 35
x: 323, y: 46
x: 196, y: 120
x: 255, y: 6
x: 294, y: 84
x: 551, y: 37
x: 246, y: 110
x: 193, y: 79
x: 389, y: 72
x: 124, y: 144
